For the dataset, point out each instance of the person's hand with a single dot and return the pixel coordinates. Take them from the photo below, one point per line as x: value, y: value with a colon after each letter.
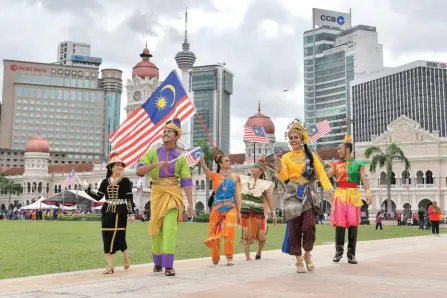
x: 190, y: 210
x: 368, y: 200
x: 132, y: 218
x: 163, y: 164
x: 275, y: 220
x: 331, y: 194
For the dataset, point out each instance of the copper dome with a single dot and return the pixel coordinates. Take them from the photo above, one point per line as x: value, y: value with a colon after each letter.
x: 145, y: 68
x: 37, y: 144
x: 261, y: 120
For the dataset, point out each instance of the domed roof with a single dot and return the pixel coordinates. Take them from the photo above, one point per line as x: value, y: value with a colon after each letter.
x: 37, y: 144
x: 261, y: 120
x: 145, y: 68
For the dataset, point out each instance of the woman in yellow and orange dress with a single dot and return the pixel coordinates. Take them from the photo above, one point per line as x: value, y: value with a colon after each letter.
x: 225, y: 212
x: 301, y: 168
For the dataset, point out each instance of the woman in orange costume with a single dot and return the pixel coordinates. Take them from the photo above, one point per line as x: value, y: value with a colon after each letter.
x: 225, y: 212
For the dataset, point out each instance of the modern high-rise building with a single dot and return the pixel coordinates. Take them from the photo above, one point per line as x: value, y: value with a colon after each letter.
x: 67, y: 49
x: 339, y: 56
x: 417, y: 90
x: 64, y: 104
x: 112, y: 84
x: 212, y: 86
x: 185, y: 61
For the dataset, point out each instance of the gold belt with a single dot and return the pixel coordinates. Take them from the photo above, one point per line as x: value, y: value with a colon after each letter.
x: 299, y: 180
x: 165, y: 181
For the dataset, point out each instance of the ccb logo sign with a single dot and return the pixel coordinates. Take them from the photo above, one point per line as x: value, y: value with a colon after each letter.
x: 13, y: 67
x: 327, y: 18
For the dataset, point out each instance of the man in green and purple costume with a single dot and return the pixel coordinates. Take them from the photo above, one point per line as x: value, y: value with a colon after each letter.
x: 169, y: 172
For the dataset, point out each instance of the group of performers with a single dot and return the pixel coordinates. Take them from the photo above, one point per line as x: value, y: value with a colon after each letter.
x: 243, y: 200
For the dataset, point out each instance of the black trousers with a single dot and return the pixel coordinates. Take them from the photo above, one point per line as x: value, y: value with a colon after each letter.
x: 379, y: 225
x: 435, y: 227
x: 340, y: 240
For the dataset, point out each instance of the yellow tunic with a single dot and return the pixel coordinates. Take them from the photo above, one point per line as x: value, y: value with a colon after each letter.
x: 293, y: 165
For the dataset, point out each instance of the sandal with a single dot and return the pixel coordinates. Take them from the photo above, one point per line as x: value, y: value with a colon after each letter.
x: 310, y: 266
x: 157, y: 268
x: 258, y: 257
x: 127, y: 264
x: 230, y: 261
x: 169, y: 272
x: 300, y: 266
x: 108, y: 270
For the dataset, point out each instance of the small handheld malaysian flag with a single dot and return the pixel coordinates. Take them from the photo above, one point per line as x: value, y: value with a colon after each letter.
x: 318, y: 130
x: 70, y: 179
x: 255, y: 135
x: 194, y: 156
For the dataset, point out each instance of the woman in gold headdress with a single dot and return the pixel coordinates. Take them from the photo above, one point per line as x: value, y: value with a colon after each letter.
x: 119, y: 204
x: 301, y: 168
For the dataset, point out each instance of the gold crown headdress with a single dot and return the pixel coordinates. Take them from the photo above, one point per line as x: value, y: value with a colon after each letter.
x: 348, y: 138
x: 297, y: 127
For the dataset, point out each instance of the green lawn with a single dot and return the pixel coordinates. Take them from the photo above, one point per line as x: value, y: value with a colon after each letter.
x: 34, y: 248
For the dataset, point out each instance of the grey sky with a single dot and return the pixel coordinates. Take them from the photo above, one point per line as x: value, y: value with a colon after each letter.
x: 260, y: 41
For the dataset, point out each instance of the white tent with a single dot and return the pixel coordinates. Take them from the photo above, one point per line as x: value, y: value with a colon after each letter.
x: 38, y: 205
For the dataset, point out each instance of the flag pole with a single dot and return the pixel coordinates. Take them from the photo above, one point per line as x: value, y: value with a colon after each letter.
x: 207, y: 133
x: 254, y: 148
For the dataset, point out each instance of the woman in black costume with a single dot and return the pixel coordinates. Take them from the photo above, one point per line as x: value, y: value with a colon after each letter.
x: 119, y: 204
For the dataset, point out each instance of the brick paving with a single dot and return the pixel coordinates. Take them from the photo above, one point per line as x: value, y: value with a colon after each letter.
x: 405, y: 267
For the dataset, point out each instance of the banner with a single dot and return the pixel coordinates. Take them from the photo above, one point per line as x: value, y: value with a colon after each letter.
x: 331, y: 18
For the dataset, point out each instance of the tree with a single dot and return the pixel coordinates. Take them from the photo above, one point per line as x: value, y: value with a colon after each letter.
x: 385, y: 159
x: 11, y: 187
x: 209, y: 156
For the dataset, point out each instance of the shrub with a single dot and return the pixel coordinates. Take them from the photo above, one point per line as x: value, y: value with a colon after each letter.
x: 202, y: 218
x: 79, y: 218
x: 279, y: 220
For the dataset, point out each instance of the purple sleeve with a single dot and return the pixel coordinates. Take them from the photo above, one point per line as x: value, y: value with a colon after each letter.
x: 185, y: 182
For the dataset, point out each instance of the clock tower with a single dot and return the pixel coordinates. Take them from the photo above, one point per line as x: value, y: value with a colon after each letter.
x: 145, y: 80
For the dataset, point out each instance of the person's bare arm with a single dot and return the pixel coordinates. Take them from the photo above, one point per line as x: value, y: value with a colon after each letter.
x: 205, y: 168
x: 366, y: 185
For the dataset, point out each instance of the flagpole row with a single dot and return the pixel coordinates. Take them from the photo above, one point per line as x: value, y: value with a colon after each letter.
x: 207, y: 133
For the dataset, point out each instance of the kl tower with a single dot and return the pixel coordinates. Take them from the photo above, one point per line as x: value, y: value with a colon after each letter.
x: 185, y: 61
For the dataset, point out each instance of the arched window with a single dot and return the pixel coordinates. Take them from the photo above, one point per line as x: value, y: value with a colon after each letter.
x: 406, y: 178
x: 39, y: 188
x: 96, y: 185
x: 28, y: 188
x: 419, y: 177
x: 202, y: 184
x: 48, y: 188
x: 383, y: 178
x: 69, y: 186
x: 55, y: 189
x: 60, y: 188
x: 75, y: 186
x: 27, y: 202
x: 393, y: 179
x: 34, y: 187
x: 197, y: 185
x: 429, y: 177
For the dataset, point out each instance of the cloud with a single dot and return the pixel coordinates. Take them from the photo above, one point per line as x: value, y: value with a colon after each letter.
x: 259, y: 40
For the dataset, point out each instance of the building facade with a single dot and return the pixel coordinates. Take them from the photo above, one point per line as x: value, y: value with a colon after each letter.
x: 212, y: 86
x: 417, y: 90
x: 62, y: 103
x: 427, y: 179
x: 67, y: 49
x: 339, y: 56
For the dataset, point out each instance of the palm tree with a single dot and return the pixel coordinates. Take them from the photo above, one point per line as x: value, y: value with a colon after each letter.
x: 381, y: 159
x: 209, y: 158
x: 10, y: 186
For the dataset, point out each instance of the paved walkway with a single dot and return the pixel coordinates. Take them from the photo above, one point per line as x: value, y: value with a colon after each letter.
x: 406, y: 267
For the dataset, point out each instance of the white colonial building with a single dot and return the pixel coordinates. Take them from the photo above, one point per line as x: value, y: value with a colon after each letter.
x: 427, y: 179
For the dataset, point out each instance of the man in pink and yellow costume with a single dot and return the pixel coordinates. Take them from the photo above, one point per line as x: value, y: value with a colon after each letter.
x: 347, y: 203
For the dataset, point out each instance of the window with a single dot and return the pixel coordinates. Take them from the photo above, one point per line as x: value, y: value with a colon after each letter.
x: 60, y: 71
x: 67, y: 72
